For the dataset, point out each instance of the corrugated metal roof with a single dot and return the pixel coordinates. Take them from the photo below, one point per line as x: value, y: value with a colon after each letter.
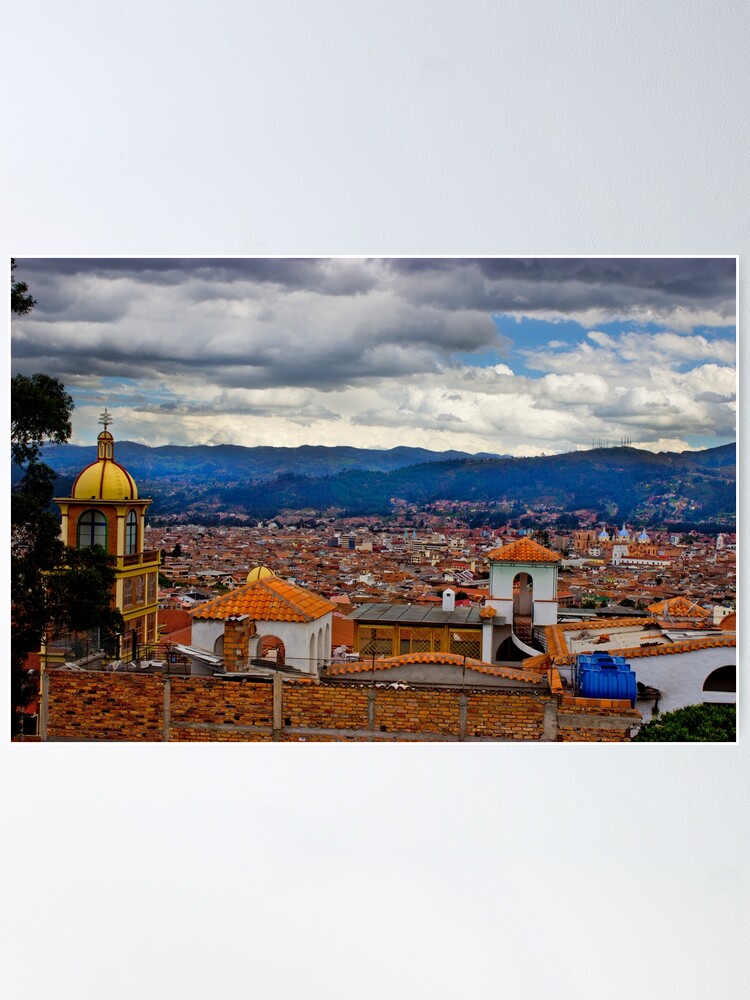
x: 415, y: 613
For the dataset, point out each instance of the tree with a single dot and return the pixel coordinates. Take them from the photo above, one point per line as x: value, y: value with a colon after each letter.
x: 54, y: 589
x: 20, y: 301
x: 693, y: 724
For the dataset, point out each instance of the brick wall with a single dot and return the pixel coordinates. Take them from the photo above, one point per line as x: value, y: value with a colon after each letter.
x: 597, y: 720
x: 517, y: 716
x: 314, y: 706
x: 98, y: 706
x: 107, y: 706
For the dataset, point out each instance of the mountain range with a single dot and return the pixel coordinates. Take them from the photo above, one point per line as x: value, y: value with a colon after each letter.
x: 618, y: 483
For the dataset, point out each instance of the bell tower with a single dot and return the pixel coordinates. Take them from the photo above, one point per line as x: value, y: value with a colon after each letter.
x: 104, y: 509
x: 523, y: 590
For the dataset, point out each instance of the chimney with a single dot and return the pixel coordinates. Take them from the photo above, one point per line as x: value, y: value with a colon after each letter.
x: 449, y: 600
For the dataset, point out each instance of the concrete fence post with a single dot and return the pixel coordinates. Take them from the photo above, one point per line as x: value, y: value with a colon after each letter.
x: 167, y: 709
x: 550, y: 721
x: 463, y: 704
x: 278, y: 681
x: 371, y: 709
x: 44, y: 706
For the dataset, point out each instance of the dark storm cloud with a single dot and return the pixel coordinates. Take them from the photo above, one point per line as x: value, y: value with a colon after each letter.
x: 328, y: 275
x: 566, y: 285
x: 103, y: 290
x: 323, y: 328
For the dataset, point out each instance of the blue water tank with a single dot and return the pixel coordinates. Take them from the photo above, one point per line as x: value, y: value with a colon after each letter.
x: 601, y: 675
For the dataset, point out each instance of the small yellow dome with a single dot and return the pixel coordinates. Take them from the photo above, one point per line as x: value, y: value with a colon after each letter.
x: 258, y: 573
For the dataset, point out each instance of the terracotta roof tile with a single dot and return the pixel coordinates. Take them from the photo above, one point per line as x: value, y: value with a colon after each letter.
x: 679, y: 607
x: 172, y: 620
x: 342, y: 631
x: 524, y: 550
x: 589, y: 623
x: 688, y: 646
x: 183, y: 636
x: 267, y: 599
x: 448, y: 659
x: 559, y: 653
x: 729, y: 623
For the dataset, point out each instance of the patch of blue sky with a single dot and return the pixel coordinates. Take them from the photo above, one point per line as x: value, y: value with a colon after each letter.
x: 527, y: 334
x: 709, y: 440
x: 717, y: 332
x: 485, y: 358
x: 119, y: 391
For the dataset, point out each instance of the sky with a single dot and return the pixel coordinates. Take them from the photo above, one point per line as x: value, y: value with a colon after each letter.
x: 512, y: 356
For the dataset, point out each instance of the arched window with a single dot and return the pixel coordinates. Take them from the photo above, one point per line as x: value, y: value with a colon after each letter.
x: 92, y: 529
x: 131, y: 533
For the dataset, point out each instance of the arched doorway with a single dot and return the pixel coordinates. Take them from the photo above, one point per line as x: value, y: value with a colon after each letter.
x: 509, y: 651
x: 272, y: 648
x: 523, y: 605
x: 720, y: 687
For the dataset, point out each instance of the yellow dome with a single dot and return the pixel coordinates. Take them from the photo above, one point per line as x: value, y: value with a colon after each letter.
x: 104, y: 479
x: 258, y: 573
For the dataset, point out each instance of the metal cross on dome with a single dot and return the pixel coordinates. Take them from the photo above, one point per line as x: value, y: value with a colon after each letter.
x: 105, y: 418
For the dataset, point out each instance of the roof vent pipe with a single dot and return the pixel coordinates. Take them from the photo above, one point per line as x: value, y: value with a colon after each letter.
x: 449, y: 600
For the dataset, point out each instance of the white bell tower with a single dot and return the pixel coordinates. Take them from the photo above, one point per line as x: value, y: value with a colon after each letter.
x: 523, y: 585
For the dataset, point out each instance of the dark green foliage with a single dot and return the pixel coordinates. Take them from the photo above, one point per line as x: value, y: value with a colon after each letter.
x: 39, y: 411
x: 693, y: 724
x: 53, y: 589
x: 20, y: 301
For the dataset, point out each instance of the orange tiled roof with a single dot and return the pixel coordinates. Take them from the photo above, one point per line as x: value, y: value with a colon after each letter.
x: 524, y: 550
x: 540, y: 662
x: 589, y: 623
x: 688, y: 646
x: 447, y: 659
x: 33, y: 661
x: 269, y: 599
x: 729, y: 623
x: 560, y: 654
x: 342, y: 631
x: 172, y: 620
x: 679, y: 607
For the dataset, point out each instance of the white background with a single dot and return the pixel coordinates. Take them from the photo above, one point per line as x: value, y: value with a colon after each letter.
x: 392, y: 127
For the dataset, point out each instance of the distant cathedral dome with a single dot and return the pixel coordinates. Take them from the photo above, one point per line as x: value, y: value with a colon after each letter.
x: 623, y: 532
x: 643, y: 537
x: 603, y: 536
x: 104, y: 479
x: 258, y: 573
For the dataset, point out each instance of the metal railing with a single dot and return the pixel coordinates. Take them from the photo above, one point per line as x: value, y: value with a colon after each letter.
x: 140, y: 558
